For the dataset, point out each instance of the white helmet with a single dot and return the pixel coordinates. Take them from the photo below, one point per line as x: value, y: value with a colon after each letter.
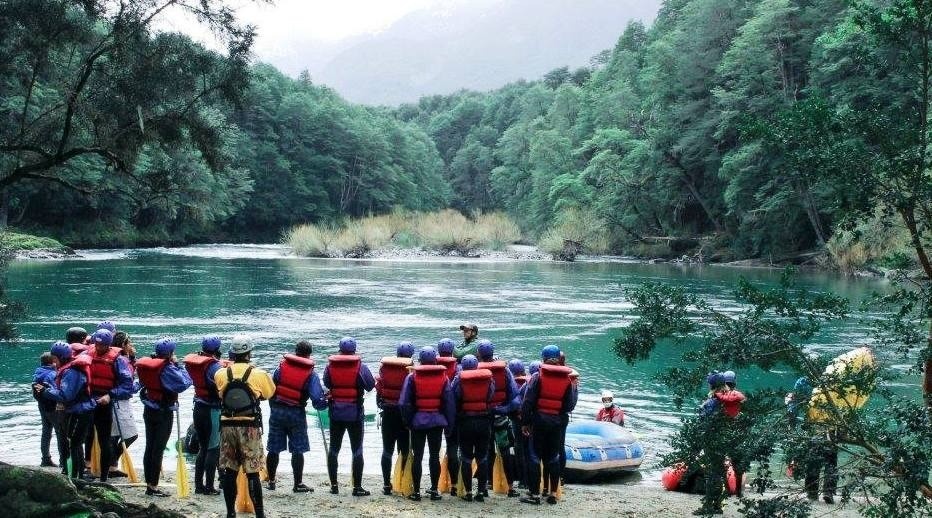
x: 608, y: 394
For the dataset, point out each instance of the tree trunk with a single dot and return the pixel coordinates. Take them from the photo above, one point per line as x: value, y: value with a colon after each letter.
x: 4, y: 209
x: 705, y: 206
x: 813, y: 213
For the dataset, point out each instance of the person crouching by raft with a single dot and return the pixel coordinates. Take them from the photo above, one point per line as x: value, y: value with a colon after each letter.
x: 111, y: 380
x: 202, y: 367
x: 241, y: 386
x: 348, y: 379
x: 427, y: 409
x: 162, y: 379
x: 392, y: 373
x: 504, y: 402
x: 469, y: 345
x: 472, y: 395
x: 295, y: 384
x: 45, y: 375
x: 610, y: 412
x: 445, y: 357
x: 124, y: 422
x: 74, y: 404
x: 548, y: 400
x: 519, y: 474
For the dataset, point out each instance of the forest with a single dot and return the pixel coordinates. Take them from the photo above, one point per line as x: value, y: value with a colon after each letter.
x: 742, y: 128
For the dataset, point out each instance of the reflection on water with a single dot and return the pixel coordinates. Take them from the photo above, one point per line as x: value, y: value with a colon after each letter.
x: 259, y: 290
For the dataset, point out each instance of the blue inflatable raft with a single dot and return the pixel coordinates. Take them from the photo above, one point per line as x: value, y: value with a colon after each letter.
x: 595, y: 448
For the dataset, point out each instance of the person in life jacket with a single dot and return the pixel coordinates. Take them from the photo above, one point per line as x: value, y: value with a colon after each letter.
x: 295, y: 384
x: 124, y: 422
x: 504, y: 402
x: 470, y: 343
x: 445, y: 357
x: 731, y: 400
x: 472, y: 395
x: 610, y: 412
x: 111, y: 381
x: 241, y: 386
x: 161, y: 380
x: 348, y: 379
x: 77, y: 339
x: 427, y: 409
x: 74, y: 405
x: 202, y: 367
x: 45, y: 375
x: 388, y: 384
x: 519, y: 474
x: 550, y: 395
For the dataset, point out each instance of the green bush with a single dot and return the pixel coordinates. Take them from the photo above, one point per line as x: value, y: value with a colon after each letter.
x: 575, y: 227
x: 496, y: 231
x: 311, y: 241
x: 16, y: 241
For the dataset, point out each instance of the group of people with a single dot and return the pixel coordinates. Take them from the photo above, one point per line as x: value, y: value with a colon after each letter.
x: 481, y: 406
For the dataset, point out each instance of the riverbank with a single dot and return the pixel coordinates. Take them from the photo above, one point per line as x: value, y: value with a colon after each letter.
x: 637, y: 499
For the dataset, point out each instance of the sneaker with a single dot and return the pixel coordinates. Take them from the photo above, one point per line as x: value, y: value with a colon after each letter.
x: 211, y: 491
x: 301, y: 488
x: 387, y: 490
x: 271, y: 485
x: 155, y: 492
x: 358, y: 491
x: 828, y: 499
x: 415, y: 497
x: 115, y: 473
x: 484, y: 492
x: 47, y: 463
x: 552, y: 500
x: 452, y: 491
x: 467, y: 497
x: 531, y: 499
x: 334, y: 489
x: 479, y: 497
x: 434, y: 495
x: 512, y: 493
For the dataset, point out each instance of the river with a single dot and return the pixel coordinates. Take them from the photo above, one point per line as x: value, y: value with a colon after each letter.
x: 223, y: 289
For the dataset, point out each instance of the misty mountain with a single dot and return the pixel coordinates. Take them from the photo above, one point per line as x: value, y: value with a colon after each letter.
x: 479, y: 45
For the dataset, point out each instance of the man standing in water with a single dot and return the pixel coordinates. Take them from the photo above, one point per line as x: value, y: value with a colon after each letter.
x: 470, y: 342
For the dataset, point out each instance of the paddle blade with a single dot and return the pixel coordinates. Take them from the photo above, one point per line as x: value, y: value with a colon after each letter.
x: 443, y: 485
x: 460, y: 487
x: 396, y: 475
x: 560, y: 490
x: 128, y: 467
x: 475, y: 468
x: 499, y: 479
x: 243, y: 502
x: 407, y: 476
x: 182, y: 474
x: 95, y: 456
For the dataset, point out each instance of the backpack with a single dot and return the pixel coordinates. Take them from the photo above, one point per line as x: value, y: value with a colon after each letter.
x: 191, y: 444
x: 238, y: 399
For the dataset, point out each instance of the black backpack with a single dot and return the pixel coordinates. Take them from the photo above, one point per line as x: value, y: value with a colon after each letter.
x: 238, y: 399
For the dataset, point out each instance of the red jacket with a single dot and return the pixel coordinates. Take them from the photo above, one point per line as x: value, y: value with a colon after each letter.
x: 475, y: 391
x: 81, y: 363
x: 429, y: 381
x: 497, y: 368
x: 612, y: 414
x: 392, y: 374
x: 197, y: 364
x: 450, y: 363
x: 103, y: 370
x: 150, y: 376
x: 293, y: 373
x: 554, y: 380
x: 731, y: 402
x: 344, y: 372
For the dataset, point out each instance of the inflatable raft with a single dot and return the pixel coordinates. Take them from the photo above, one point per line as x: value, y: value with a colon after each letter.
x: 595, y: 448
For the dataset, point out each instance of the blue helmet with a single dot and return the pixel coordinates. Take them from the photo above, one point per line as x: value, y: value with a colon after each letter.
x: 108, y: 325
x: 211, y: 344
x: 533, y: 367
x: 486, y: 350
x: 715, y: 379
x: 516, y: 367
x: 405, y: 350
x: 427, y: 356
x: 469, y: 362
x: 165, y: 347
x: 729, y: 376
x: 445, y: 347
x: 102, y: 336
x: 551, y: 352
x: 61, y: 350
x: 348, y: 345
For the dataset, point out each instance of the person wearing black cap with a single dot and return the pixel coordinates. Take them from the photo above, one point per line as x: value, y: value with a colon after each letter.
x: 470, y: 342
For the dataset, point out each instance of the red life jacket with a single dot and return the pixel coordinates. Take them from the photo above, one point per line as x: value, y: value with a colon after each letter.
x: 293, y: 373
x: 429, y: 381
x: 521, y: 380
x: 392, y: 374
x: 475, y: 387
x: 449, y: 362
x: 554, y: 380
x: 77, y: 348
x: 497, y: 368
x: 103, y: 369
x: 150, y: 376
x: 80, y: 363
x: 197, y: 364
x: 731, y: 402
x: 344, y: 371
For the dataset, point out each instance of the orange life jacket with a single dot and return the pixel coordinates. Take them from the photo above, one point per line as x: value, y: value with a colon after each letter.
x: 344, y: 371
x: 392, y: 374
x: 449, y: 362
x: 80, y: 363
x: 197, y: 364
x: 150, y: 377
x: 429, y: 381
x: 554, y: 380
x: 103, y: 369
x: 293, y: 373
x: 475, y: 388
x: 497, y: 368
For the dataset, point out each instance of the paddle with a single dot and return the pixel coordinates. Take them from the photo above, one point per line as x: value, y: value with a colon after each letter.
x: 95, y: 456
x: 124, y: 457
x: 183, y: 490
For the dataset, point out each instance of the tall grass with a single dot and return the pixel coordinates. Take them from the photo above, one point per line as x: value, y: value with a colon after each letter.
x: 447, y: 232
x: 575, y: 227
x: 877, y: 241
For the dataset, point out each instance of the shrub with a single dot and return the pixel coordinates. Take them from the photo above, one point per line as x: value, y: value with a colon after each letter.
x: 15, y: 241
x: 361, y: 237
x: 311, y: 240
x: 575, y: 230
x: 446, y: 231
x: 495, y: 231
x: 872, y: 241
